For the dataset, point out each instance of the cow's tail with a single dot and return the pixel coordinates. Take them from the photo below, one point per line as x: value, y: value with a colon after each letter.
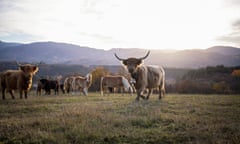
x: 101, y: 86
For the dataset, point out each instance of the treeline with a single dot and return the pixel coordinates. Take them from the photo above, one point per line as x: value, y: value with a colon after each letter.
x: 209, y: 80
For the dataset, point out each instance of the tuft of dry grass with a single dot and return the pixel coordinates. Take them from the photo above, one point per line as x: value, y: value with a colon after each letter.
x: 119, y: 119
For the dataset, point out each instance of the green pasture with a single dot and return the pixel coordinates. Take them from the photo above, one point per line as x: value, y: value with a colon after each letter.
x: 119, y: 119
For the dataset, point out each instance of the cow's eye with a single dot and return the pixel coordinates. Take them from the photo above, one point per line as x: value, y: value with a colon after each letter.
x: 125, y: 62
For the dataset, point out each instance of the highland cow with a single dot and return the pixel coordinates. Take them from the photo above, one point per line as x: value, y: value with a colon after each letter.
x: 147, y: 77
x: 20, y: 80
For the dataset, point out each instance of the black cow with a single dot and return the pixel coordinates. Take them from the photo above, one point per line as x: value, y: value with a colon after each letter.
x: 47, y: 85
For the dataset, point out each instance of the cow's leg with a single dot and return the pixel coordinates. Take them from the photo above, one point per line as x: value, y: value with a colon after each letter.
x: 20, y: 93
x: 57, y: 89
x: 11, y: 93
x: 161, y: 92
x: 130, y: 91
x: 85, y: 91
x: 140, y: 91
x: 140, y: 94
x: 46, y: 92
x: 68, y: 90
x: 149, y: 93
x: 114, y: 90
x: 102, y: 91
x: 123, y: 91
x: 25, y: 94
x: 3, y: 93
x: 62, y: 89
x: 105, y: 91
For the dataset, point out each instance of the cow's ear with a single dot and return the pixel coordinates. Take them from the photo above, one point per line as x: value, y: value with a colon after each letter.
x: 22, y: 68
x: 139, y: 62
x: 35, y: 69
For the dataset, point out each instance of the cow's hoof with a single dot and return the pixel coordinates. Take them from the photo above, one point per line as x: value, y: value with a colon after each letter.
x: 145, y: 98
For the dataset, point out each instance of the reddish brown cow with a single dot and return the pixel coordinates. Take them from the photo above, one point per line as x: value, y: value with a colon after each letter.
x: 18, y: 80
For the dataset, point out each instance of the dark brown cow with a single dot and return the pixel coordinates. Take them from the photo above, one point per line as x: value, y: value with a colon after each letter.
x: 147, y: 77
x: 18, y: 80
x: 47, y: 85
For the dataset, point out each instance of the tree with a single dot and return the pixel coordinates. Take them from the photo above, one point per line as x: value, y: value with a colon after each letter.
x: 236, y: 73
x: 221, y: 88
x: 97, y: 73
x: 123, y: 72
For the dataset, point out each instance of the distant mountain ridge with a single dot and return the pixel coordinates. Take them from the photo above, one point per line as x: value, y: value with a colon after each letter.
x: 63, y: 53
x: 7, y: 44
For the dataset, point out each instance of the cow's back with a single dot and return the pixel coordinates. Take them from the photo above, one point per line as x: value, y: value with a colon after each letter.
x: 80, y: 82
x: 111, y: 81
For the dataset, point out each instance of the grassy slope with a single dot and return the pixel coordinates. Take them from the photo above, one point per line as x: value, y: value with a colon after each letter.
x: 118, y: 119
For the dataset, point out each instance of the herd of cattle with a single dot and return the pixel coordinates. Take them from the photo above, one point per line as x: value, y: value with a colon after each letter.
x: 70, y: 84
x: 145, y: 77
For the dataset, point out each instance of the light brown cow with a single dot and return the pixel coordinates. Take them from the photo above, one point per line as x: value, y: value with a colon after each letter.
x: 114, y: 82
x: 67, y: 85
x: 82, y: 83
x: 147, y: 77
x: 18, y: 80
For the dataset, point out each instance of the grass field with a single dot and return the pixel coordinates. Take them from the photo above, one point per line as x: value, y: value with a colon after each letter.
x: 119, y: 119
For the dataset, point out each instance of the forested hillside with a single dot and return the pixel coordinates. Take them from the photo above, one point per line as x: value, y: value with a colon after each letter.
x: 219, y: 79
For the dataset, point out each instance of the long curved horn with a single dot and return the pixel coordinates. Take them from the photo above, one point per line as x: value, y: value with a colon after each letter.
x: 142, y: 58
x: 118, y: 57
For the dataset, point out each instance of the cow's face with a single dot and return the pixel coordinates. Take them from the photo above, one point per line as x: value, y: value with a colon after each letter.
x: 132, y: 64
x: 28, y: 69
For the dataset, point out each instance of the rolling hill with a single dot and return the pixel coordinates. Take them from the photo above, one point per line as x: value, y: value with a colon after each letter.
x: 63, y: 53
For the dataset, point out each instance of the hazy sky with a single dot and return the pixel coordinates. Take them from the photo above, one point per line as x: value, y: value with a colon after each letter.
x: 105, y: 24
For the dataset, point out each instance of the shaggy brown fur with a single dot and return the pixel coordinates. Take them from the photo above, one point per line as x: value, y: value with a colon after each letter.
x: 147, y: 77
x: 18, y: 80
